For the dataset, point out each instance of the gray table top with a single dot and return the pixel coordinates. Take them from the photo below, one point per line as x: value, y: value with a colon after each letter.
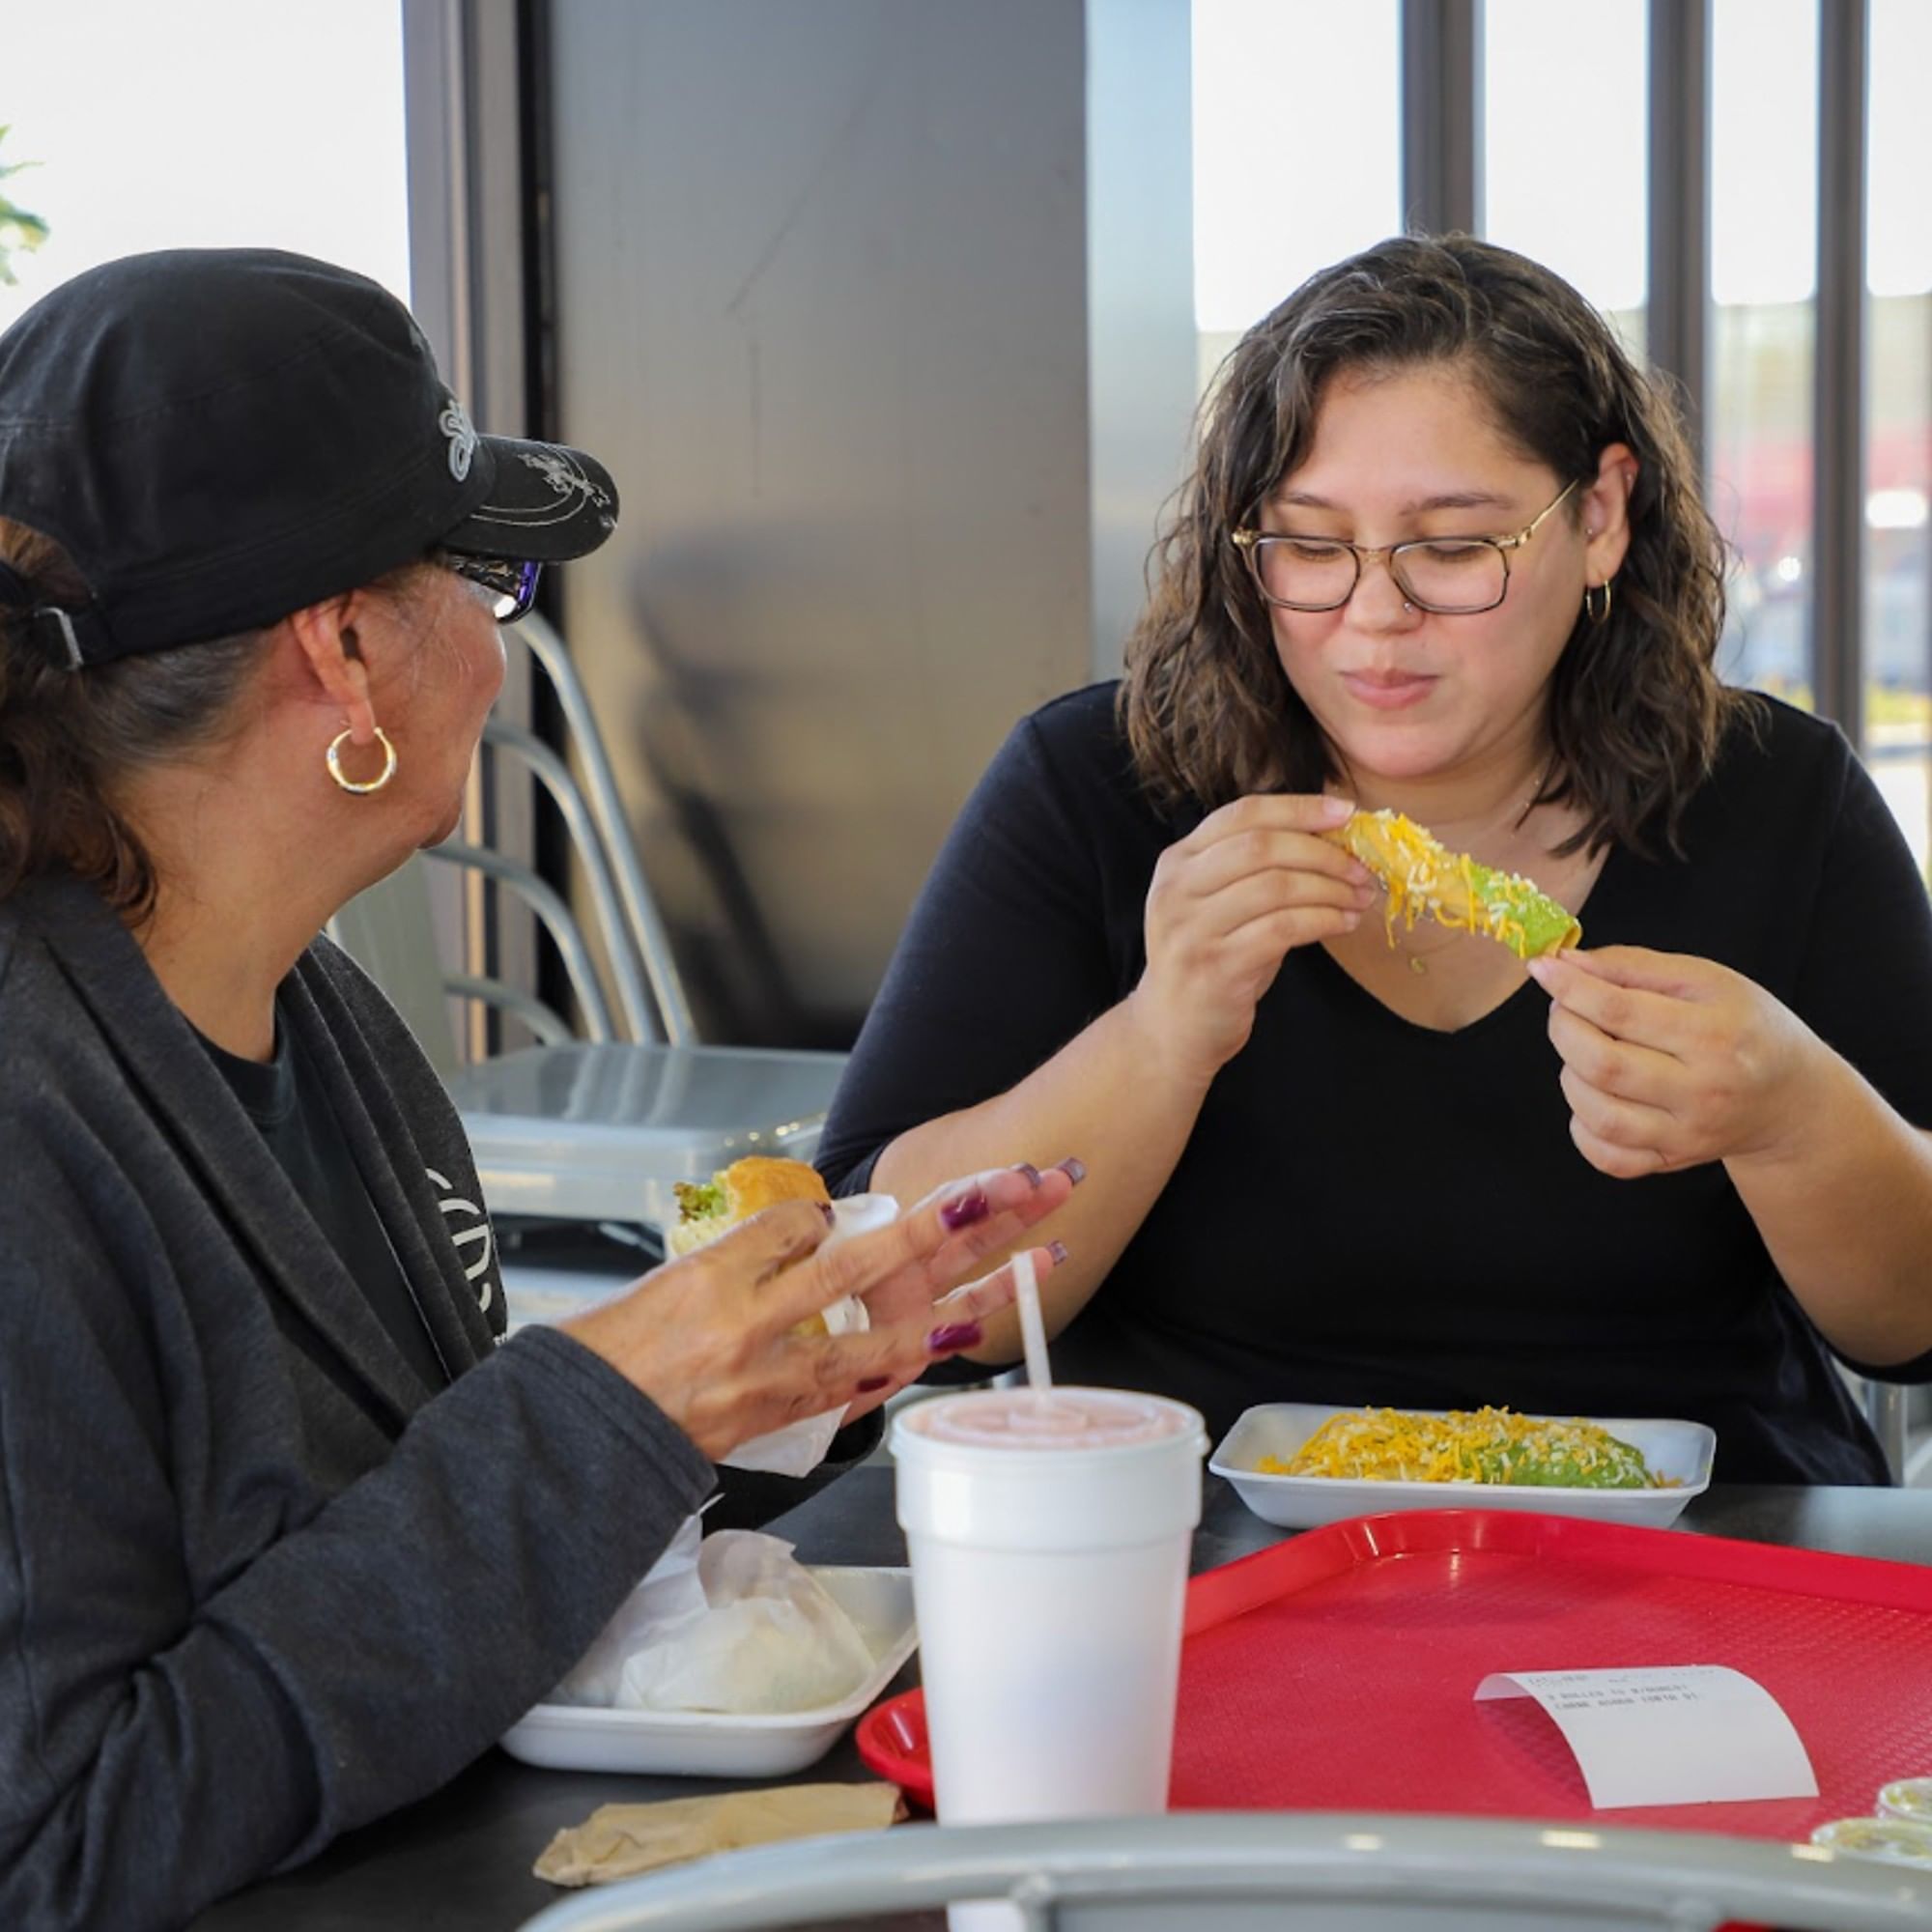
x: 460, y: 1861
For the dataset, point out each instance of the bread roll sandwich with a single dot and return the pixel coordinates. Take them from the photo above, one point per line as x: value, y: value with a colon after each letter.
x: 709, y: 1209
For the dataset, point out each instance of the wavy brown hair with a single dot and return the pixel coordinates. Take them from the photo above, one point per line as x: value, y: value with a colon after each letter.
x: 68, y: 737
x: 1637, y: 710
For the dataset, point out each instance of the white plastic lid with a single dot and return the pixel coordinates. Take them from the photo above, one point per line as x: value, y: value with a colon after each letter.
x: 1054, y: 1500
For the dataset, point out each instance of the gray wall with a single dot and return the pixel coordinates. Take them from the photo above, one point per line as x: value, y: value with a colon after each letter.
x: 823, y: 290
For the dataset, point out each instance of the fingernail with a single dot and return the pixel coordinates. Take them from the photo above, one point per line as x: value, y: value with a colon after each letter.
x: 1337, y: 811
x: 825, y: 1208
x: 1032, y: 1173
x: 964, y: 1211
x: 1058, y: 1250
x: 954, y: 1335
x: 1074, y: 1169
x: 872, y: 1384
x: 1538, y: 970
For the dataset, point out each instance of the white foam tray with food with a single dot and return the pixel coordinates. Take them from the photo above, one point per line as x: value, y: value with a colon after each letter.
x: 714, y: 1744
x: 1678, y: 1452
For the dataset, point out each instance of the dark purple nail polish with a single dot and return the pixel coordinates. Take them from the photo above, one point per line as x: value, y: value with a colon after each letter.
x: 964, y: 1211
x: 825, y: 1208
x: 1074, y: 1169
x: 872, y: 1384
x: 1032, y: 1173
x: 1058, y: 1250
x: 954, y: 1335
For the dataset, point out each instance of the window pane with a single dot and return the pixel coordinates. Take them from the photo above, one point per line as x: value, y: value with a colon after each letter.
x: 1764, y: 239
x: 1297, y: 150
x: 1898, y: 400
x: 1576, y: 205
x: 206, y: 124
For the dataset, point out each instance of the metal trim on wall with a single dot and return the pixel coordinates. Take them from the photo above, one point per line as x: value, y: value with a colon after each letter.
x: 1677, y: 311
x: 1141, y: 340
x: 465, y: 125
x: 1838, y: 413
x: 1441, y: 117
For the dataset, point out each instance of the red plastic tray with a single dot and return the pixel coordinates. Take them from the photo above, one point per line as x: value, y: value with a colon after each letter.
x: 1338, y: 1671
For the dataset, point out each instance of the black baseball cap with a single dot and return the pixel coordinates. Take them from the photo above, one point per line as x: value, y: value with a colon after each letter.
x: 219, y: 436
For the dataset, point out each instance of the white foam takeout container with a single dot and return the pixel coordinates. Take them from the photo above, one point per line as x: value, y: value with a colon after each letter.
x: 1680, y: 1450
x: 719, y: 1744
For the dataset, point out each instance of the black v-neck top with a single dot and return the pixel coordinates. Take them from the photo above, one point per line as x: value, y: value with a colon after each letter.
x: 289, y: 1105
x: 1372, y: 1211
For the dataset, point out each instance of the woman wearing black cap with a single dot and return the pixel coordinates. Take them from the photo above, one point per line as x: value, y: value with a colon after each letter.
x: 285, y: 1537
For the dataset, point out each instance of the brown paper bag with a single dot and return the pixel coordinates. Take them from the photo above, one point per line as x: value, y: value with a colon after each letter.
x: 620, y: 1841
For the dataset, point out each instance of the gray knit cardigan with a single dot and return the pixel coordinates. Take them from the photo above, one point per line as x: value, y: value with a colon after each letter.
x: 258, y: 1583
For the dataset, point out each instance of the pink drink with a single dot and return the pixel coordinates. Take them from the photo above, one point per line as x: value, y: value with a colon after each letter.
x: 1049, y: 1533
x: 1061, y: 1418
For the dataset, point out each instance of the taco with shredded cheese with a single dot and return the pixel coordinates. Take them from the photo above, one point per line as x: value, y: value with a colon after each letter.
x: 1423, y: 876
x: 1484, y: 1445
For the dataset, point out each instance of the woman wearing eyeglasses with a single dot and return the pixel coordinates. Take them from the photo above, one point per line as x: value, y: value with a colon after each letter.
x: 1442, y: 551
x: 286, y: 1537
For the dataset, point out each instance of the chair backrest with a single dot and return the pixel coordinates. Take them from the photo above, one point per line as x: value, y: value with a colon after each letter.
x: 388, y: 931
x: 601, y: 830
x: 600, y: 1123
x: 1235, y: 1872
x: 636, y: 993
x: 1889, y: 1408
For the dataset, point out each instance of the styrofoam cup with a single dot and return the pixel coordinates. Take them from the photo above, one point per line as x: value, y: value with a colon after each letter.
x: 1049, y: 1578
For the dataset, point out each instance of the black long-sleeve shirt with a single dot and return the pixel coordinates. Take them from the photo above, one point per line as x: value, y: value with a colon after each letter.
x: 1371, y: 1212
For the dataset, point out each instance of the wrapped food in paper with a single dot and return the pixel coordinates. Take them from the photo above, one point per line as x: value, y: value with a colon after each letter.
x: 735, y: 1623
x: 619, y: 1840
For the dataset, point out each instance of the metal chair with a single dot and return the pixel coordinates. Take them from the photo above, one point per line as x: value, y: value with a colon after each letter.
x: 597, y: 1123
x: 1899, y: 1419
x: 1262, y: 1872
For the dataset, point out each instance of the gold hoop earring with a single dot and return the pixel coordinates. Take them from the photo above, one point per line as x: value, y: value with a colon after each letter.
x: 1598, y: 613
x: 367, y: 785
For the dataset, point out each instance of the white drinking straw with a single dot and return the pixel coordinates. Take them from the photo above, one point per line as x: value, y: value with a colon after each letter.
x: 1033, y: 1330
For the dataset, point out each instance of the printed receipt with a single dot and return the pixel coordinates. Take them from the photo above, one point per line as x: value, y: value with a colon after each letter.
x: 1695, y: 1734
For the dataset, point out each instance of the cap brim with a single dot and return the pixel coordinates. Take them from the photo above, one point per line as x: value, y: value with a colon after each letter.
x: 545, y: 503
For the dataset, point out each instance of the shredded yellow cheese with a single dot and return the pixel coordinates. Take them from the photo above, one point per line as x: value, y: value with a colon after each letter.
x: 1484, y: 1445
x: 1425, y: 879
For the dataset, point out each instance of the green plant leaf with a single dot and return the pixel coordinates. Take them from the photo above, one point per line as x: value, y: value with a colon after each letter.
x: 20, y: 230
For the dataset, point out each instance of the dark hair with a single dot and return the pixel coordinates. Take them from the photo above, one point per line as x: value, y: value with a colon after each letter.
x: 68, y: 736
x: 1637, y: 710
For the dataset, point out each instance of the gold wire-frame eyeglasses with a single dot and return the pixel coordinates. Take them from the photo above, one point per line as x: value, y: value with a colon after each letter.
x: 1427, y: 558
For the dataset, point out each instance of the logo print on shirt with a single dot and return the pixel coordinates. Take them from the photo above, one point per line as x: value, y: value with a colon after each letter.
x: 474, y: 1235
x: 454, y: 423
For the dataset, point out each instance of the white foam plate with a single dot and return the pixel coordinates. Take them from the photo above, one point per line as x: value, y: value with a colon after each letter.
x: 1680, y: 1450
x: 715, y: 1743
